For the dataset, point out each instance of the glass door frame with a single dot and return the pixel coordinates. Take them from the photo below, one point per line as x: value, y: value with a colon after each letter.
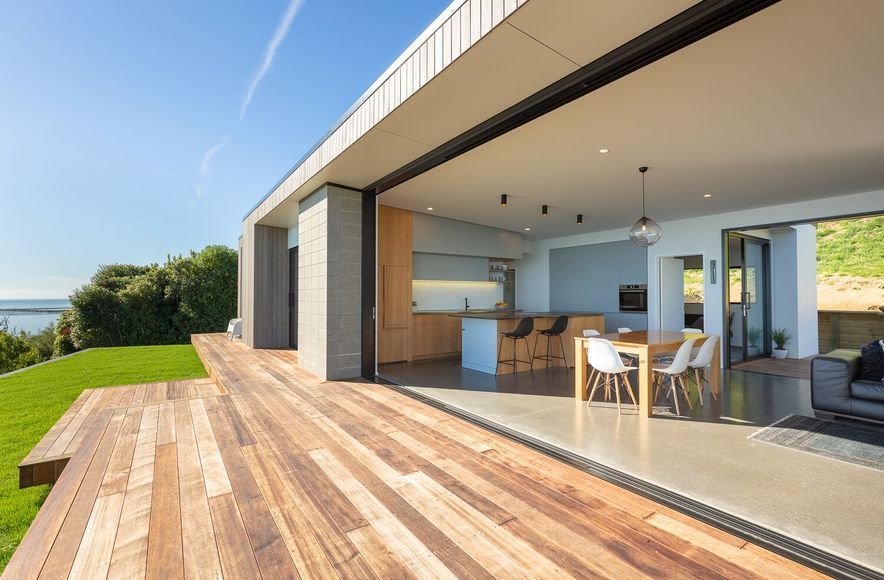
x: 765, y: 351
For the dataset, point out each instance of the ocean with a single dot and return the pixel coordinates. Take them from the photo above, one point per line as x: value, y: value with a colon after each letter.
x: 32, y: 315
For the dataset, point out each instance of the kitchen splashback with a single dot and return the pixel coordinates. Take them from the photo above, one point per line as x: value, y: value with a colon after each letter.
x: 449, y: 295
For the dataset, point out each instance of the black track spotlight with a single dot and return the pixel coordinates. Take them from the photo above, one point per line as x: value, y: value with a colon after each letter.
x: 580, y: 218
x: 544, y: 210
x: 503, y: 199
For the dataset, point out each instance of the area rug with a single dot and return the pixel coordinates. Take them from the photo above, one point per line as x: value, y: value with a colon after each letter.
x: 853, y: 443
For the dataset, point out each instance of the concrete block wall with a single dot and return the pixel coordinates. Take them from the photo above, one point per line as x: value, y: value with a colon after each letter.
x: 330, y: 283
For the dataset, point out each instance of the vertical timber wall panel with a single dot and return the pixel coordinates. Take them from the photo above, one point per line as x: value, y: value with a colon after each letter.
x: 271, y: 284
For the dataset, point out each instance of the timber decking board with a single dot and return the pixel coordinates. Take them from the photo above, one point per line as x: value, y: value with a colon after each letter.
x: 273, y: 474
x: 45, y: 462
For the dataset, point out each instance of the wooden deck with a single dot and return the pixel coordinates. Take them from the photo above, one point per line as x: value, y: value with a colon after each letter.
x: 44, y: 464
x: 284, y: 477
x: 788, y: 367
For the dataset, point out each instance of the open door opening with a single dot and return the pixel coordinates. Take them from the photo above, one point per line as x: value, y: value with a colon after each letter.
x: 681, y: 292
x: 293, y: 297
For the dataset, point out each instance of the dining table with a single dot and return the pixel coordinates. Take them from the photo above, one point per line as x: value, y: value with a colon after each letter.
x: 644, y: 345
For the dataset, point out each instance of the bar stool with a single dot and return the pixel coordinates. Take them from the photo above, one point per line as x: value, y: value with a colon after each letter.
x: 556, y: 330
x: 522, y: 331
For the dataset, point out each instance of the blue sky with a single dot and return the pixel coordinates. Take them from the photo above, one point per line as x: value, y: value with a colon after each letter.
x: 126, y: 128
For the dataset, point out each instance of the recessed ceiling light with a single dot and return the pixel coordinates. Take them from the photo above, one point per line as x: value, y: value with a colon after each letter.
x: 707, y: 195
x: 429, y: 209
x: 527, y: 229
x: 603, y: 150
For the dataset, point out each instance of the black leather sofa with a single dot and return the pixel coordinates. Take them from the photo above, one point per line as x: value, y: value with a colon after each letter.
x: 836, y: 389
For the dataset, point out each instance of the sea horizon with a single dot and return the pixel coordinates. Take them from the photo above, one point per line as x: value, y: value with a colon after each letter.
x: 32, y: 315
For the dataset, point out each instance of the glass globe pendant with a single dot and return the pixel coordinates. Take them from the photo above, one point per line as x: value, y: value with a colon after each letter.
x: 645, y: 232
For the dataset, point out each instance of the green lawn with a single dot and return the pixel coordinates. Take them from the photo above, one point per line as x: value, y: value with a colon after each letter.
x: 33, y: 400
x: 851, y: 247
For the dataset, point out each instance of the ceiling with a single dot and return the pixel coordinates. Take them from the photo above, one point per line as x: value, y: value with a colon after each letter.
x: 783, y: 106
x: 537, y: 45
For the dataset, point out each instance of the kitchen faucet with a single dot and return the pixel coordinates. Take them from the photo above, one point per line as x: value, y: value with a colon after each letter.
x: 466, y: 303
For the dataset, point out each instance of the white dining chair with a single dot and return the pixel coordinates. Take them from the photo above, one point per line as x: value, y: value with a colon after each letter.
x: 675, y: 371
x: 589, y: 333
x: 667, y: 357
x: 606, y: 361
x: 699, y: 363
x: 628, y: 359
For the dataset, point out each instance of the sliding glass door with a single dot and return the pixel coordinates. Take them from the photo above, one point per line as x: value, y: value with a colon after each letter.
x: 748, y: 316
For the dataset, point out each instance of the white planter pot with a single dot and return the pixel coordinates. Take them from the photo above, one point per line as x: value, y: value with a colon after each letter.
x: 780, y: 353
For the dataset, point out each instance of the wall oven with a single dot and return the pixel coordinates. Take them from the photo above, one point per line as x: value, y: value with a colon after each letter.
x: 633, y: 298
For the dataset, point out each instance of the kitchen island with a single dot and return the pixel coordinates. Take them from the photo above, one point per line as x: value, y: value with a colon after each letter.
x: 481, y: 337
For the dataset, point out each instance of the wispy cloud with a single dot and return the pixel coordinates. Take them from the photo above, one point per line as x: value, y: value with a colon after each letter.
x: 206, y: 163
x: 282, y: 29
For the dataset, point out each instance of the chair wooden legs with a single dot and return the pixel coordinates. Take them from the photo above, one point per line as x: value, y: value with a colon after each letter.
x: 687, y: 394
x: 629, y: 390
x: 598, y: 377
x: 608, y: 380
x: 674, y: 393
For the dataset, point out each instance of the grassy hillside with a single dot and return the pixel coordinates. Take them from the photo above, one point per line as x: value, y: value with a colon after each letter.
x: 31, y: 401
x: 853, y: 248
x: 850, y: 264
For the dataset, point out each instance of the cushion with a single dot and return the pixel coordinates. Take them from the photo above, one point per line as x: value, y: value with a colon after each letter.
x: 873, y: 361
x: 871, y: 390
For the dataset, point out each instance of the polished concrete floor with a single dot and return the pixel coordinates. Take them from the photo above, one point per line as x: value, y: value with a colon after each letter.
x: 704, y: 453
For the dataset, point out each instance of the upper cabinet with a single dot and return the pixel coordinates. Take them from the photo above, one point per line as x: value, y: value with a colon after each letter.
x: 435, y: 235
x: 443, y: 267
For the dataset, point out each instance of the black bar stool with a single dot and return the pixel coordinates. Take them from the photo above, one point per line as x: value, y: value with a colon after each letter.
x: 522, y: 331
x: 557, y: 329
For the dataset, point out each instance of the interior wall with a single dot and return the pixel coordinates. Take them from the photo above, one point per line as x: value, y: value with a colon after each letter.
x: 587, y: 278
x: 684, y: 237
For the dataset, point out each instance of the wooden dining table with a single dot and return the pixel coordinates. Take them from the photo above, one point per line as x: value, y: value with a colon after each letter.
x: 645, y: 344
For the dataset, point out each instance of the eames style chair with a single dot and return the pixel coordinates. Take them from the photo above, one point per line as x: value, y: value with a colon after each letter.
x: 675, y: 371
x: 699, y: 363
x: 609, y: 366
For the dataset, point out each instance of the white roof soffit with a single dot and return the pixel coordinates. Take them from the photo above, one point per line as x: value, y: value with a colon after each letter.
x: 783, y: 106
x: 478, y: 58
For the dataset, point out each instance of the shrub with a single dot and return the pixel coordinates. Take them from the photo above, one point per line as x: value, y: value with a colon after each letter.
x: 16, y: 351
x: 127, y: 305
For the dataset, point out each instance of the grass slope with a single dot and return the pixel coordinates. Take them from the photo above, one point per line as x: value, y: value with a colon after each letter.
x: 851, y: 248
x: 33, y: 400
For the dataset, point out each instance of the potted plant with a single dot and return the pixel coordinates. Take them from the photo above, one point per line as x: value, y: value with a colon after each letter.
x: 780, y: 337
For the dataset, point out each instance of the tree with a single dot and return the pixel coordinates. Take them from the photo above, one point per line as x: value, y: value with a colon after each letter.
x: 205, y: 287
x: 137, y: 305
x: 16, y: 351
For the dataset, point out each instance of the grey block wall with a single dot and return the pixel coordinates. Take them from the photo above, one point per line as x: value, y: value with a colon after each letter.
x: 330, y: 283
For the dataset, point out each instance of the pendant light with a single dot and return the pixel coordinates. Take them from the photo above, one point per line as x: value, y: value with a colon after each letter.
x: 645, y: 232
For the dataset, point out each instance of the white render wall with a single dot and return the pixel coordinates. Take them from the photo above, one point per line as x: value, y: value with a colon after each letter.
x: 693, y: 236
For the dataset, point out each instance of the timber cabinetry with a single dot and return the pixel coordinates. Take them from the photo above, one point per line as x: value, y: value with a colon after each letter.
x: 435, y: 336
x: 394, y: 322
